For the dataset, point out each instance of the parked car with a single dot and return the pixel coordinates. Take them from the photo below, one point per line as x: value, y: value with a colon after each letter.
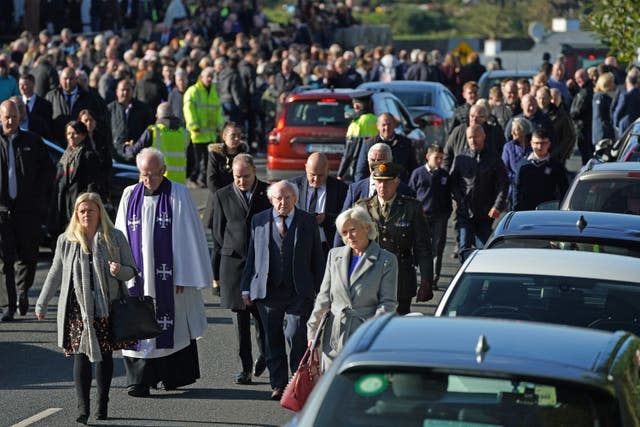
x: 612, y: 233
x: 431, y: 105
x: 317, y: 120
x: 604, y: 187
x: 493, y: 78
x: 435, y: 372
x: 591, y: 290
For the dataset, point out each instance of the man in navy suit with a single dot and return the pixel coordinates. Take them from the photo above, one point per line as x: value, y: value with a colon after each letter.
x: 628, y: 107
x: 282, y: 276
x: 321, y: 195
x: 36, y: 105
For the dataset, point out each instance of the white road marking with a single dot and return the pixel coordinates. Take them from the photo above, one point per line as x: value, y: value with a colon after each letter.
x: 37, y: 417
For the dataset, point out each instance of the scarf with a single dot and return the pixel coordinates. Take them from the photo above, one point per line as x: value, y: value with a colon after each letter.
x: 92, y: 292
x: 162, y: 255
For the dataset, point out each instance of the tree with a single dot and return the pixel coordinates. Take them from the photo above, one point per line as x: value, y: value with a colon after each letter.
x: 617, y: 23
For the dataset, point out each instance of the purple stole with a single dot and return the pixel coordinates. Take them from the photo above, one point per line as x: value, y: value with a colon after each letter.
x: 162, y: 255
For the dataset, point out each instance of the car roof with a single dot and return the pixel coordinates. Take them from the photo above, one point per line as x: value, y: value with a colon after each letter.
x: 342, y: 94
x: 603, y: 225
x: 613, y: 167
x: 508, y: 73
x: 548, y: 262
x: 402, y: 84
x: 452, y: 343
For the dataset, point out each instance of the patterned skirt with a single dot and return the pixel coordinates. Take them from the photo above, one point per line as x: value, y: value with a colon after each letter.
x: 73, y: 327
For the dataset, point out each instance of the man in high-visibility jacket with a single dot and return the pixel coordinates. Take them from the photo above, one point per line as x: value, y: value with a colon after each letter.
x: 170, y: 138
x: 204, y: 120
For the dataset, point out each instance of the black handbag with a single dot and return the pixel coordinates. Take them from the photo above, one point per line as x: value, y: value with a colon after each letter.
x: 133, y: 318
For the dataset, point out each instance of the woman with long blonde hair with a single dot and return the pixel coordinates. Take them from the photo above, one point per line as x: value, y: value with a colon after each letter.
x: 91, y: 262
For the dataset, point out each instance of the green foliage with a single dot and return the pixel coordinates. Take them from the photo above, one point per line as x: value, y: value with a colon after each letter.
x: 617, y: 22
x: 407, y: 20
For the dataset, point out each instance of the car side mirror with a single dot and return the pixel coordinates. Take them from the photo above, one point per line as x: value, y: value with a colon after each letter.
x: 552, y: 205
x: 603, y: 150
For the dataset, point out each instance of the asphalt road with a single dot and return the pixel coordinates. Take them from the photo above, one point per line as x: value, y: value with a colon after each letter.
x: 36, y: 386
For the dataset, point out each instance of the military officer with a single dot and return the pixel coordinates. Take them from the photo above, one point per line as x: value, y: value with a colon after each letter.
x: 403, y: 230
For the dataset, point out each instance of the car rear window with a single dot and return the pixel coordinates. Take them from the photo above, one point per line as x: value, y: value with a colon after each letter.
x: 437, y: 399
x: 324, y: 112
x: 607, y: 195
x: 415, y: 99
x: 592, y: 303
x: 617, y: 248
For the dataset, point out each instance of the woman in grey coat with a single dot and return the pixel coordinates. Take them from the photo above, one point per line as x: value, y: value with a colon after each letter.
x: 360, y: 282
x: 91, y: 262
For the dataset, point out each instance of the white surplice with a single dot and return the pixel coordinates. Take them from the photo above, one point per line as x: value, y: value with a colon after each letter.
x: 191, y: 266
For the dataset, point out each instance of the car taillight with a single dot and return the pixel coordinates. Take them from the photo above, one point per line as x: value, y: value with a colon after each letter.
x: 633, y: 174
x: 432, y: 120
x: 280, y: 124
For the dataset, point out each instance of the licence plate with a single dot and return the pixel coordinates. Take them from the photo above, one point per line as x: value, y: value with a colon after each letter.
x: 325, y: 148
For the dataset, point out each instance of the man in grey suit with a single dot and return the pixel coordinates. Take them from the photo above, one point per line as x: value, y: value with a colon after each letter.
x: 282, y: 276
x: 233, y: 208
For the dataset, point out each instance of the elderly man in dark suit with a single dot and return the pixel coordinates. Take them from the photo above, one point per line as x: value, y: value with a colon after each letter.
x: 128, y: 119
x: 24, y: 172
x: 321, y: 195
x: 233, y: 208
x: 67, y: 101
x: 282, y: 276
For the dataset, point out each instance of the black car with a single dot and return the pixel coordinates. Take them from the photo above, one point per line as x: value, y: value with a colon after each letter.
x: 423, y: 371
x: 570, y: 230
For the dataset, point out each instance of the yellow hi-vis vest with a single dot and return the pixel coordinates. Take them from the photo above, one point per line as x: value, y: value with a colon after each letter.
x: 172, y: 143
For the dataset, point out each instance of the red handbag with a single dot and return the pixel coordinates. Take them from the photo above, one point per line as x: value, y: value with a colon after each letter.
x: 299, y: 388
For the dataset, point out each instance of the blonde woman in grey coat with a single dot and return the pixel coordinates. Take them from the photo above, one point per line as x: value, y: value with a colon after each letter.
x: 91, y: 262
x: 360, y: 282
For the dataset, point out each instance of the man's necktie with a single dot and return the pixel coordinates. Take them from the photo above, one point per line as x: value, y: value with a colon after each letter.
x: 386, y: 208
x: 11, y: 169
x: 247, y: 197
x: 313, y: 202
x: 282, y: 226
x: 68, y: 97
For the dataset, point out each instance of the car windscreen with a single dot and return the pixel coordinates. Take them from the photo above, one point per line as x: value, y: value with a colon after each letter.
x: 324, y: 112
x: 415, y: 98
x: 584, y: 244
x: 621, y: 195
x: 437, y: 399
x: 591, y: 303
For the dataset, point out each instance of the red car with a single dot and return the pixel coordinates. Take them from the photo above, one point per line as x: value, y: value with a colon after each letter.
x: 317, y: 121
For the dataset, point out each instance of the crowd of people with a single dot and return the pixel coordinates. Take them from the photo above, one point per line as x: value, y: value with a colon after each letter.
x: 178, y: 101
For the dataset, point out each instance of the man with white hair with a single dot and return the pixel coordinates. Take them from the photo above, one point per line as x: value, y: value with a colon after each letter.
x: 203, y: 116
x: 282, y: 276
x: 169, y: 247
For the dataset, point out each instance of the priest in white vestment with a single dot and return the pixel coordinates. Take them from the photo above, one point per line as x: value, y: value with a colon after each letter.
x: 167, y: 239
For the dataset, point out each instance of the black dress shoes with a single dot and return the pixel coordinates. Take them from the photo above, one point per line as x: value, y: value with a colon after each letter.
x: 243, y: 378
x: 276, y: 394
x: 138, y: 391
x: 8, y: 316
x: 23, y: 303
x: 259, y: 367
x: 83, y: 419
